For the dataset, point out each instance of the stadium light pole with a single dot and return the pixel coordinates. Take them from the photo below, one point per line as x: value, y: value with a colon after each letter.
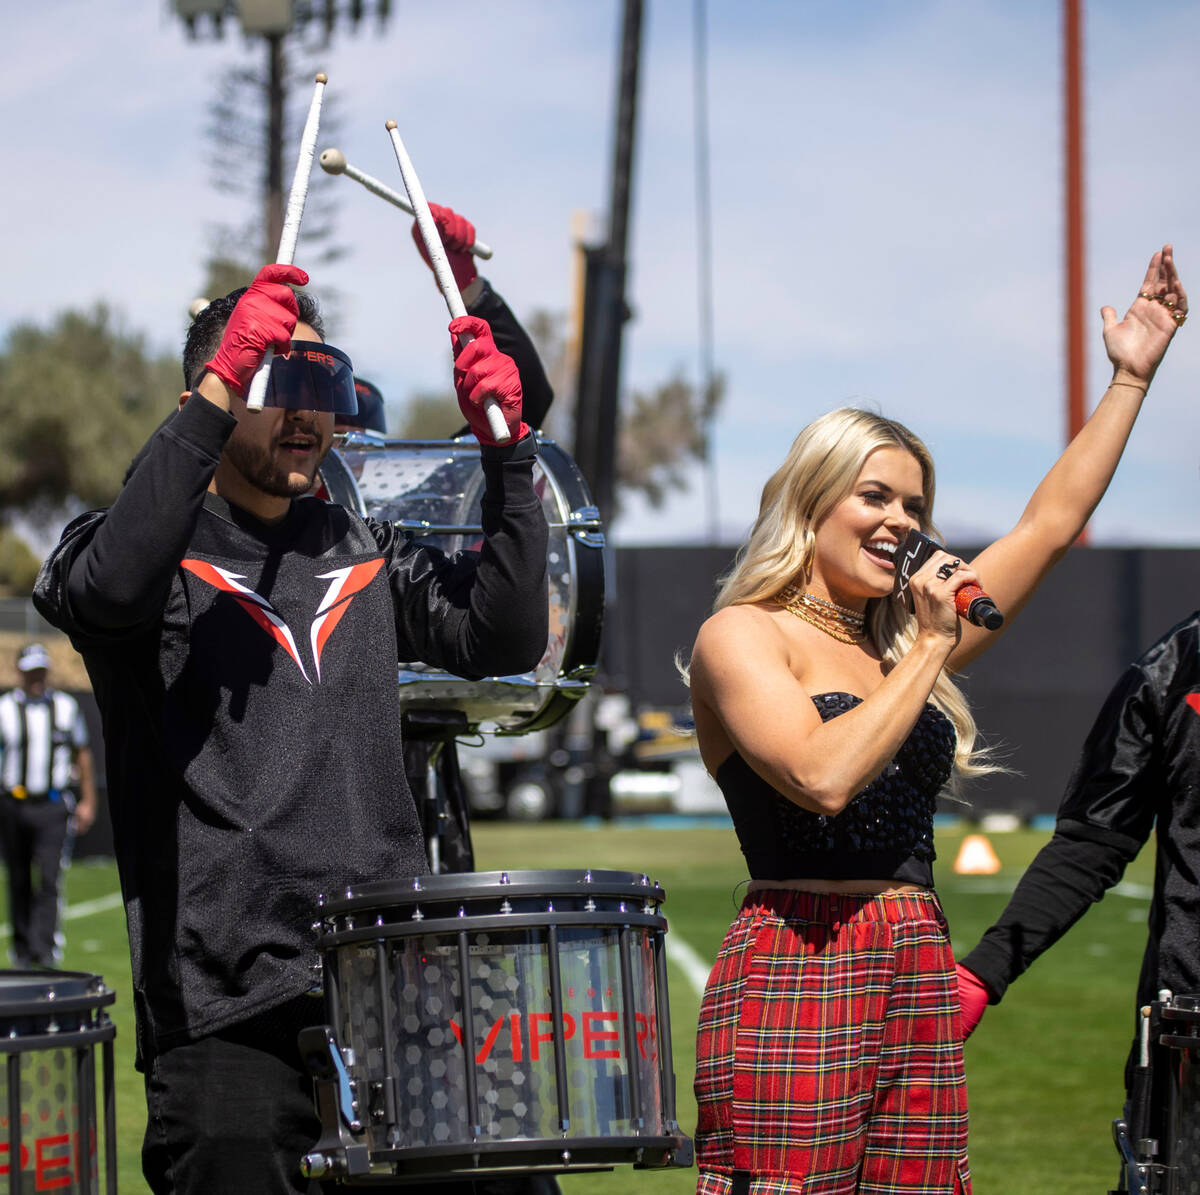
x: 1075, y: 280
x: 605, y: 310
x: 274, y: 21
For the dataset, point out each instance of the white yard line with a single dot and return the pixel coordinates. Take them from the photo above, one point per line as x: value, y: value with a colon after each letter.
x: 85, y: 908
x: 999, y: 885
x: 1132, y: 890
x: 694, y: 968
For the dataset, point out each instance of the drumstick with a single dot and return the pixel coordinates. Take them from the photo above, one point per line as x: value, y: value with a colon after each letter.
x: 291, y: 223
x: 441, y: 267
x: 333, y: 161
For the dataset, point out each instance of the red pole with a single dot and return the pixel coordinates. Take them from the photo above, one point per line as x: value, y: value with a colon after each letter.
x: 1075, y: 293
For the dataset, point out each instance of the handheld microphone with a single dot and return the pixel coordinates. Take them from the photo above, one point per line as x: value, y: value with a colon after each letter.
x: 970, y: 601
x: 976, y: 607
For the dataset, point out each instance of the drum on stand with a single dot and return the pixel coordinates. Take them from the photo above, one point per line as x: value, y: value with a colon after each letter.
x: 431, y: 489
x: 1159, y: 1137
x: 50, y: 1023
x: 494, y: 1023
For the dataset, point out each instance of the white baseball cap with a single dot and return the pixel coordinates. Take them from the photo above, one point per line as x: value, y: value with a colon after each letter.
x: 31, y: 657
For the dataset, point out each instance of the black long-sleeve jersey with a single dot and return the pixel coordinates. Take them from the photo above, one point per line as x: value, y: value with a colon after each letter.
x: 246, y: 678
x: 1139, y: 771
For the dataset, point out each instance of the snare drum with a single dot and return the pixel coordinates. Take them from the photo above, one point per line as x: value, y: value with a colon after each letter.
x: 432, y: 489
x: 49, y: 1024
x: 1159, y: 1137
x: 554, y: 1055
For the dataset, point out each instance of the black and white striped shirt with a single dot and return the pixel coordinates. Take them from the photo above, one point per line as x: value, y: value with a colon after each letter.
x: 38, y: 739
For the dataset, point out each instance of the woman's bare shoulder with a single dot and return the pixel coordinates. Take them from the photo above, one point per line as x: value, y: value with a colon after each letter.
x: 734, y: 630
x: 734, y: 622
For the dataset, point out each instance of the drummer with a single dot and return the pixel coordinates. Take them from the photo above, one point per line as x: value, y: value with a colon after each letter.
x: 1138, y: 773
x: 234, y: 631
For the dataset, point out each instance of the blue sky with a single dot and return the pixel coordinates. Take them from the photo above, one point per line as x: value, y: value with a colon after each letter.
x: 887, y: 191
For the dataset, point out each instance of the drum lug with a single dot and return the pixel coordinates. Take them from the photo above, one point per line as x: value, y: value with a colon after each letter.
x: 571, y: 688
x: 378, y: 1102
x: 589, y: 539
x: 684, y: 1155
x: 585, y: 516
x: 1141, y: 1177
x: 325, y: 1063
x: 349, y: 1161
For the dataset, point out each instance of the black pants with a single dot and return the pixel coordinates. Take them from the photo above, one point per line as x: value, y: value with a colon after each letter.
x: 234, y: 1113
x: 33, y: 834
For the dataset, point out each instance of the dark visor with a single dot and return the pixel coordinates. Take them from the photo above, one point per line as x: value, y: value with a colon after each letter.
x: 313, y: 377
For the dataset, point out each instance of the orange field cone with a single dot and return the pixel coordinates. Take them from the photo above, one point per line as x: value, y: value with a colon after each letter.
x: 976, y: 857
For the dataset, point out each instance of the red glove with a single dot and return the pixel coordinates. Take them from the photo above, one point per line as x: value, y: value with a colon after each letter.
x: 482, y: 371
x: 265, y: 317
x: 458, y: 235
x: 973, y: 998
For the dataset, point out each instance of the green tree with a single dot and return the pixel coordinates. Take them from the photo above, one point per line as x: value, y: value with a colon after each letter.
x: 661, y: 431
x: 77, y: 399
x: 18, y: 564
x: 238, y: 135
x: 428, y: 415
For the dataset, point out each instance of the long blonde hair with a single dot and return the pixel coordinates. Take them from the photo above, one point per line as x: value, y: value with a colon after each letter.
x: 820, y: 470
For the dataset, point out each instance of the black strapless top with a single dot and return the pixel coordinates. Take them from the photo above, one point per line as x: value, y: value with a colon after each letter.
x: 884, y: 833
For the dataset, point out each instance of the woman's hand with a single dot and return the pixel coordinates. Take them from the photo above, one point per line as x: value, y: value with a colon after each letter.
x: 933, y: 587
x: 1136, y: 345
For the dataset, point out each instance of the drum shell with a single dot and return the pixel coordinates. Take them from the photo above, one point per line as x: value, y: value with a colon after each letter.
x: 50, y: 1023
x: 1178, y: 1053
x: 394, y: 961
x: 432, y: 489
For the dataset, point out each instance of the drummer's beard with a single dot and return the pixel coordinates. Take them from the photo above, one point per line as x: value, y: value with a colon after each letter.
x: 267, y: 467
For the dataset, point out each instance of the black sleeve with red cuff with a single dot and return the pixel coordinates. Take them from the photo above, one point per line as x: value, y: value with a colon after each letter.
x: 1105, y: 818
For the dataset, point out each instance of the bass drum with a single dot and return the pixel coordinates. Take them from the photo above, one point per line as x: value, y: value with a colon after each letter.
x: 431, y: 489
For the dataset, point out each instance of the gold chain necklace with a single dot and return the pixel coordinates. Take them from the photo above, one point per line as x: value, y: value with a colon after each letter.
x: 839, y: 622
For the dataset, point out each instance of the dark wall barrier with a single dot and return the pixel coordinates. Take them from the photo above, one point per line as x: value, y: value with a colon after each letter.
x: 1034, y: 695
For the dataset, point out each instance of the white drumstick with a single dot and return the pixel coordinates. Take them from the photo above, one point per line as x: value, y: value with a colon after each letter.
x: 441, y: 267
x: 291, y: 223
x: 333, y: 161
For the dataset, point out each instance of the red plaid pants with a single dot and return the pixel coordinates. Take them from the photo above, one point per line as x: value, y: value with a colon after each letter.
x: 829, y: 1056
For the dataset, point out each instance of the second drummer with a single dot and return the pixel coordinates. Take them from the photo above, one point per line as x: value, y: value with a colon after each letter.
x: 234, y: 631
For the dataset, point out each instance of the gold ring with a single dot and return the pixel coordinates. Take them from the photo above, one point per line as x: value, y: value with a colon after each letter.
x: 1180, y: 317
x: 1145, y: 294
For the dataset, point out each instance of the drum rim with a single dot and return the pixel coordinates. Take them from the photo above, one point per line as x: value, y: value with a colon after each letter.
x: 473, y: 885
x: 58, y: 989
x: 586, y: 618
x: 334, y: 937
x: 593, y: 1149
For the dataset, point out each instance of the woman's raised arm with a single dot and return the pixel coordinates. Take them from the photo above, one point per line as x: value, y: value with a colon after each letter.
x: 1013, y: 567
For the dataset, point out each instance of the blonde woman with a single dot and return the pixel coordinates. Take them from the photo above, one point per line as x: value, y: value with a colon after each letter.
x: 829, y: 1055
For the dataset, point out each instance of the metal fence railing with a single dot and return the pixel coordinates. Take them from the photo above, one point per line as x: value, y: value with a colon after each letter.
x: 17, y: 614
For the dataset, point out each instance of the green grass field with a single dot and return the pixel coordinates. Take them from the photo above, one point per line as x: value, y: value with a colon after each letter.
x: 1044, y: 1068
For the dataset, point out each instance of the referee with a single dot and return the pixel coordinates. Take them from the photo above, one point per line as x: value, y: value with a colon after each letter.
x: 43, y: 753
